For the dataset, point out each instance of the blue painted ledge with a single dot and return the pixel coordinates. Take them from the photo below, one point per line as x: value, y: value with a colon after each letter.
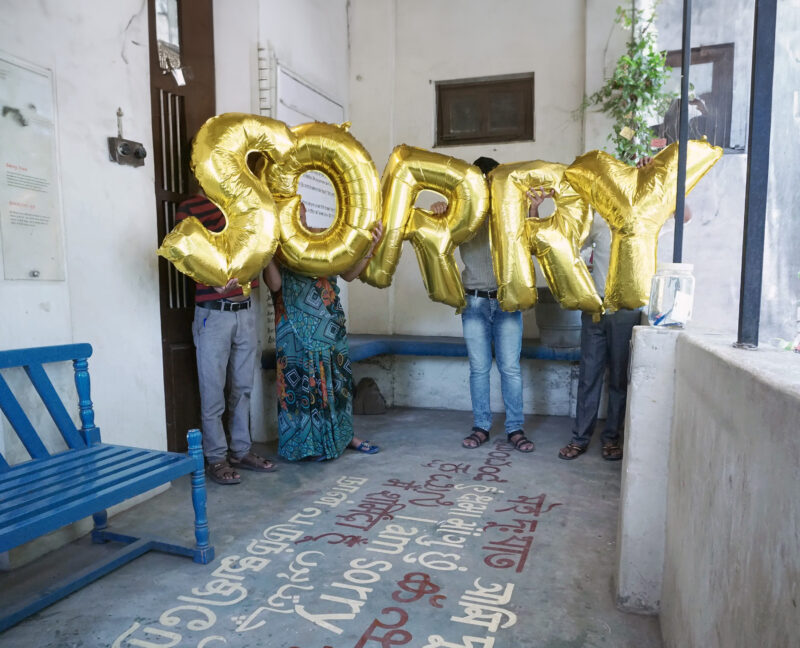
x: 363, y: 346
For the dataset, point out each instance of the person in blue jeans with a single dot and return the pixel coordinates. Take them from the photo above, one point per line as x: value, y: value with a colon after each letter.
x: 486, y: 325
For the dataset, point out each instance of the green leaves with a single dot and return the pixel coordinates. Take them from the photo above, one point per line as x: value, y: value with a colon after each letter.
x: 634, y: 94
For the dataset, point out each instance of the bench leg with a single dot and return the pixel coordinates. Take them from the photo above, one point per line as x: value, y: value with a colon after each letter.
x: 100, y: 525
x: 203, y: 552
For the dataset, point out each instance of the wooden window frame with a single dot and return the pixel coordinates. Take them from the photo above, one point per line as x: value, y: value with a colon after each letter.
x: 480, y: 91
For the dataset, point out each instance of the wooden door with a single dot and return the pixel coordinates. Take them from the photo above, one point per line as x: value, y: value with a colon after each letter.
x: 181, y: 36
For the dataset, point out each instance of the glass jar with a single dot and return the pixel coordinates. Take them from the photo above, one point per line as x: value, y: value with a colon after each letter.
x: 671, y: 295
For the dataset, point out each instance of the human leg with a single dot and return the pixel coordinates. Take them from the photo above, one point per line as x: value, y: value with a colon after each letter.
x: 476, y: 323
x: 212, y: 332
x: 619, y: 328
x: 507, y: 335
x: 241, y: 367
x: 590, y: 384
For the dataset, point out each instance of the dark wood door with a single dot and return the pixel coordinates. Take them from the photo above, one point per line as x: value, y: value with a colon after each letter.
x: 181, y: 36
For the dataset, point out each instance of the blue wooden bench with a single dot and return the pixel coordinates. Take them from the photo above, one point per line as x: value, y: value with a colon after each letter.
x: 363, y: 346
x: 54, y: 489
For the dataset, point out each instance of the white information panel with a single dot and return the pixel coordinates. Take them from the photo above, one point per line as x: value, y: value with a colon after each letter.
x: 30, y: 222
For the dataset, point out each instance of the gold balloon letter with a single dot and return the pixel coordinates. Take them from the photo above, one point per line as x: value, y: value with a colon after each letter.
x: 556, y: 241
x: 331, y: 149
x: 409, y: 171
x: 219, y: 160
x: 636, y: 203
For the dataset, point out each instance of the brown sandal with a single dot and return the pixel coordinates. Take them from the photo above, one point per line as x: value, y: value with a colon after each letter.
x: 477, y: 438
x: 571, y: 451
x: 251, y: 461
x: 222, y: 473
x: 520, y: 441
x: 612, y: 451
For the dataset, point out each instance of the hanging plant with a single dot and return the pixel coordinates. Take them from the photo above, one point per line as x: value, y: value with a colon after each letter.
x: 634, y: 95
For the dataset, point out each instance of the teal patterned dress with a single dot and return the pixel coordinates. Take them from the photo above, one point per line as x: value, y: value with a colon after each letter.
x: 315, y: 382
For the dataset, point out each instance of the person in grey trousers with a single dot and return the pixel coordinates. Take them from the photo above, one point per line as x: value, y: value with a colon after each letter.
x: 225, y: 337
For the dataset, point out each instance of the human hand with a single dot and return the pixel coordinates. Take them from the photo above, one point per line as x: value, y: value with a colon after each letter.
x: 232, y: 284
x: 644, y: 161
x: 439, y: 207
x: 537, y: 197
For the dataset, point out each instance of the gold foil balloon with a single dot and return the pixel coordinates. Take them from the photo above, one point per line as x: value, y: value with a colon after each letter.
x: 556, y: 241
x: 636, y: 203
x: 434, y: 237
x: 332, y: 150
x: 219, y: 161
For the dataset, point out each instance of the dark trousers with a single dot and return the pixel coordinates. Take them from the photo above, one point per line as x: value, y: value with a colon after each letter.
x: 604, y: 344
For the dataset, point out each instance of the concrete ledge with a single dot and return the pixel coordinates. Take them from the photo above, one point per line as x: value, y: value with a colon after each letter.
x: 363, y: 346
x: 643, y: 491
x: 732, y: 552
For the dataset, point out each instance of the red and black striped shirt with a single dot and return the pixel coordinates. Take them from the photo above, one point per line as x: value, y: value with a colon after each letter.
x: 213, y: 219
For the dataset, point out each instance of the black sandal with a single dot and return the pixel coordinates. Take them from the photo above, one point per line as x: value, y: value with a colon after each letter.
x: 612, y: 451
x: 521, y: 441
x: 571, y: 451
x: 478, y: 436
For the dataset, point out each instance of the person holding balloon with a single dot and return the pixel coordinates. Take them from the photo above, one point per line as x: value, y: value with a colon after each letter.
x: 486, y: 325
x: 314, y: 379
x: 605, y: 345
x: 224, y: 333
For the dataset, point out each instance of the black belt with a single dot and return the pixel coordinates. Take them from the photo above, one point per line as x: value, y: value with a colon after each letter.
x: 486, y: 294
x: 221, y: 304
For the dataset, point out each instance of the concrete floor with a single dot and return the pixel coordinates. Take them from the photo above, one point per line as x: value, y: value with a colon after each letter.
x: 429, y: 571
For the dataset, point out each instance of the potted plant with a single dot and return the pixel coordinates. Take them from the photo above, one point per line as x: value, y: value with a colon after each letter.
x: 634, y: 96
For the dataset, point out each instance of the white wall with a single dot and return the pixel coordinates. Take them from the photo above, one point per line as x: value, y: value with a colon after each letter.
x: 100, y: 61
x: 398, y: 51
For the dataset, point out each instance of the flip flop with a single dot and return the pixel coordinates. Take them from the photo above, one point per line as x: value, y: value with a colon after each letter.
x: 365, y: 447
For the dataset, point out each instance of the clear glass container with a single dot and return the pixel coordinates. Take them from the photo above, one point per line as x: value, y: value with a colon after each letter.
x: 671, y: 295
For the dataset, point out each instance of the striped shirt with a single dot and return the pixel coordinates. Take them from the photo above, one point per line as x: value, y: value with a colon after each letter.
x: 213, y: 219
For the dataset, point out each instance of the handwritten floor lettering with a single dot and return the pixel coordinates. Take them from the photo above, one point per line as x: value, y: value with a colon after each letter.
x: 366, y: 558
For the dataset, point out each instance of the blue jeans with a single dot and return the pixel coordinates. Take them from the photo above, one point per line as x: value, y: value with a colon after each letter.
x: 485, y: 323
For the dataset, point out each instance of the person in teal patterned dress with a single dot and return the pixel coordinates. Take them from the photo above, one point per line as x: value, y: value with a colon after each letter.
x: 314, y: 379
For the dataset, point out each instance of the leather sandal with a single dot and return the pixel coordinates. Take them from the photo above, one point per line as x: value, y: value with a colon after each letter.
x: 520, y: 441
x: 251, y: 461
x: 571, y: 451
x: 222, y: 473
x: 612, y: 451
x: 476, y: 438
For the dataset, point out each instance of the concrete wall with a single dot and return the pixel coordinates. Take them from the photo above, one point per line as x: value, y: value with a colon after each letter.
x: 732, y: 555
x: 645, y: 470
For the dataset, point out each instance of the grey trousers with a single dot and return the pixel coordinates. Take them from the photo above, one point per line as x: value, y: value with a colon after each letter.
x: 226, y: 345
x: 603, y: 344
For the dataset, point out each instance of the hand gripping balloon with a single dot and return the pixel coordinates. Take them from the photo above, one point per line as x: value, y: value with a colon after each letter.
x: 636, y: 203
x: 250, y: 237
x: 435, y: 238
x: 556, y: 241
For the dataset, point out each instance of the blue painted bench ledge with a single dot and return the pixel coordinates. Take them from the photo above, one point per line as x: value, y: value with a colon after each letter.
x: 54, y: 489
x: 363, y: 346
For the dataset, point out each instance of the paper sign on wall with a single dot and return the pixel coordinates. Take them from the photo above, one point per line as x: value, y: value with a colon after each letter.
x: 30, y: 222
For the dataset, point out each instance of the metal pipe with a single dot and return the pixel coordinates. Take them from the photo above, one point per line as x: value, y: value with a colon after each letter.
x: 683, y: 133
x: 757, y: 172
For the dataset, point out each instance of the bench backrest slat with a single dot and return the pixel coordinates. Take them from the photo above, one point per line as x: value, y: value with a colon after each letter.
x: 20, y: 422
x: 31, y: 360
x: 53, y: 403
